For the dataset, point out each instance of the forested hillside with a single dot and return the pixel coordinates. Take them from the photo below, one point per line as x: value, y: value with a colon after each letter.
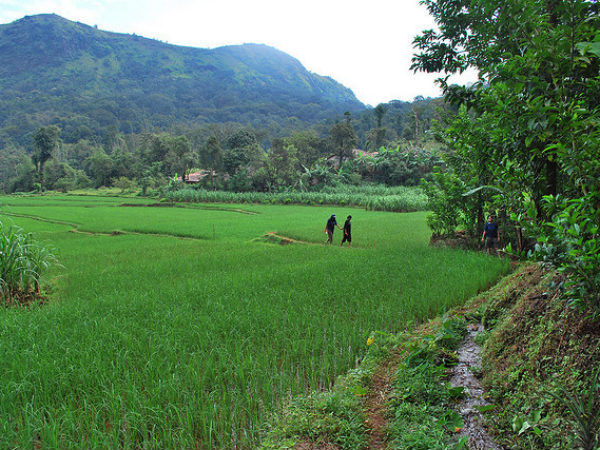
x: 87, y: 81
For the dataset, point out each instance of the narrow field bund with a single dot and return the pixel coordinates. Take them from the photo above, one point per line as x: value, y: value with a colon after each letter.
x: 174, y: 343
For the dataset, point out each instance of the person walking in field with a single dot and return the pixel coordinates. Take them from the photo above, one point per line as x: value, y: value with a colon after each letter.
x: 331, y: 223
x: 491, y: 235
x: 347, y: 232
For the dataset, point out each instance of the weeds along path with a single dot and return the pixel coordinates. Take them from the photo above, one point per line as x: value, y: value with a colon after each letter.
x: 272, y: 236
x: 377, y: 399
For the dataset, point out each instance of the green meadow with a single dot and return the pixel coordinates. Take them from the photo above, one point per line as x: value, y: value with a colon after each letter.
x: 184, y: 327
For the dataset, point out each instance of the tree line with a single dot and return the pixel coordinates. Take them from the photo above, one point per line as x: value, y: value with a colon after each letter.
x: 525, y: 142
x: 234, y: 157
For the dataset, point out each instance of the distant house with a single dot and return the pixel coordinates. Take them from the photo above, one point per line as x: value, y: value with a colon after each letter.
x: 195, y: 177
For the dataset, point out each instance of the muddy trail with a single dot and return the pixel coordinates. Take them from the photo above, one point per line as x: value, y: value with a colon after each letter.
x: 470, y: 407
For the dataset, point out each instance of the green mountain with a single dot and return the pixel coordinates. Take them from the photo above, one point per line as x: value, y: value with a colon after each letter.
x: 87, y: 81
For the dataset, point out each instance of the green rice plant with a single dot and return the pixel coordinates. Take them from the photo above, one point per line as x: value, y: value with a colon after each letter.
x: 159, y: 341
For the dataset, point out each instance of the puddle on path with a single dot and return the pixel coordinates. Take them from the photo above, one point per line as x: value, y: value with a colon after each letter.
x: 461, y: 375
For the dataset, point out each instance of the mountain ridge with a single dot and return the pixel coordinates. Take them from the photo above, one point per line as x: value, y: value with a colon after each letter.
x: 53, y: 70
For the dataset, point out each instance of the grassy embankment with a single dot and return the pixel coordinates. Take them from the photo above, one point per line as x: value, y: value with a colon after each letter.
x: 540, y: 366
x: 154, y: 341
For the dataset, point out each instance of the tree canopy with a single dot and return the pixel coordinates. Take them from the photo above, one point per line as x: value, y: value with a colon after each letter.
x: 526, y: 140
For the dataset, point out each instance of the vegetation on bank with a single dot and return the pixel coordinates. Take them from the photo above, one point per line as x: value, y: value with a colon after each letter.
x: 540, y: 365
x: 418, y: 402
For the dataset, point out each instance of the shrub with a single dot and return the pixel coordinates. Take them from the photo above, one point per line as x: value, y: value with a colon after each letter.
x: 22, y: 261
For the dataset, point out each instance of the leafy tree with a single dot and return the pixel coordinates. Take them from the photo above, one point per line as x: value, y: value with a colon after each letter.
x: 10, y: 157
x: 241, y: 138
x: 154, y: 148
x: 180, y: 156
x: 379, y: 112
x: 211, y: 157
x: 281, y: 166
x: 125, y: 184
x: 25, y: 172
x: 242, y: 151
x: 75, y: 154
x: 379, y: 132
x: 342, y: 140
x: 45, y: 140
x: 310, y: 147
x: 99, y: 167
x: 534, y: 114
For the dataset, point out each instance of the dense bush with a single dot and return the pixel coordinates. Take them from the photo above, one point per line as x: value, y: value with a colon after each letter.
x: 22, y: 262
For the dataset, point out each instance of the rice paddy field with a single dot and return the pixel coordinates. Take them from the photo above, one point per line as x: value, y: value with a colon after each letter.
x: 185, y: 327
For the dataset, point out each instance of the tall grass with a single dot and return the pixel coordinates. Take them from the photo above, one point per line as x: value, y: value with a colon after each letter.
x: 161, y: 342
x: 22, y: 263
x: 398, y: 200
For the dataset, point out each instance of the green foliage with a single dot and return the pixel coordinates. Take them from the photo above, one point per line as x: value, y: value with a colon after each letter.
x: 421, y: 405
x: 538, y: 350
x: 400, y: 122
x: 529, y: 127
x: 23, y: 261
x: 399, y: 200
x: 45, y: 140
x: 342, y: 140
x: 570, y: 242
x: 584, y: 409
x: 397, y: 166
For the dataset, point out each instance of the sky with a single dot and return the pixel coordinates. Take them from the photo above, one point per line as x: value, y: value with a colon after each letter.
x: 364, y: 45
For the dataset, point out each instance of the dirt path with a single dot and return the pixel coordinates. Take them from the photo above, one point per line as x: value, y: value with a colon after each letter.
x: 283, y: 240
x: 376, y: 403
x: 468, y: 357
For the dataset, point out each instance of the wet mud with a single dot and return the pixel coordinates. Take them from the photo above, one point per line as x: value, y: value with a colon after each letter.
x: 462, y: 375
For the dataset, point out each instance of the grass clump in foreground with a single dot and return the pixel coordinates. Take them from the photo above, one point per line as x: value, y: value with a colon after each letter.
x: 150, y: 340
x: 23, y: 261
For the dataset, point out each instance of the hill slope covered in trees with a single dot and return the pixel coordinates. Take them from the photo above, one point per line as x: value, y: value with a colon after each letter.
x: 54, y: 71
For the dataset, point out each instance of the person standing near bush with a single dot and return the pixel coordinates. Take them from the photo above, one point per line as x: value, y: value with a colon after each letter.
x: 331, y: 223
x: 347, y: 232
x: 491, y: 234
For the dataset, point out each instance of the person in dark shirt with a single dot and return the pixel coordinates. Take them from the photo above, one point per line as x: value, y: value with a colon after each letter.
x: 491, y: 234
x: 331, y: 223
x: 347, y: 232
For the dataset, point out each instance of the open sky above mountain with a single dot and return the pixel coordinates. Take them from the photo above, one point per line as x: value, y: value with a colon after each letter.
x: 366, y: 46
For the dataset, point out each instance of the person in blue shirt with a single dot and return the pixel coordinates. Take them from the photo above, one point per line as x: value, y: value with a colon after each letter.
x: 491, y: 235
